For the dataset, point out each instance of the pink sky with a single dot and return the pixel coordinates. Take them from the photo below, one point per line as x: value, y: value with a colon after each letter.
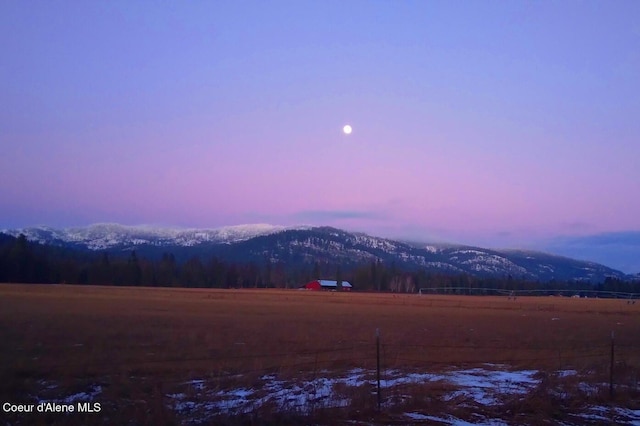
x: 503, y: 124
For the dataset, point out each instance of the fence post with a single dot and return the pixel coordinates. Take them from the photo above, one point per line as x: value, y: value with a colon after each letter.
x: 559, y: 359
x: 378, y: 365
x: 612, y: 365
x: 161, y: 410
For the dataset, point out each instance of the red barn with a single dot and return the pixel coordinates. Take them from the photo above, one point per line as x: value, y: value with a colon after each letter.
x: 326, y: 285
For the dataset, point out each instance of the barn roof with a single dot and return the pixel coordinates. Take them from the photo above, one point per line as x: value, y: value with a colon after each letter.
x: 331, y: 283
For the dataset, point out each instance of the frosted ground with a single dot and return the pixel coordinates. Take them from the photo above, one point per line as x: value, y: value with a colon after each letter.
x: 479, y: 393
x: 489, y: 395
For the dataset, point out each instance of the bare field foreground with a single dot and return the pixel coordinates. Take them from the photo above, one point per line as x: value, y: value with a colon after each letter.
x: 120, y: 355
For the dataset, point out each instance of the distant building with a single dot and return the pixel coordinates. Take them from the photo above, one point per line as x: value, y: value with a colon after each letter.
x: 328, y: 285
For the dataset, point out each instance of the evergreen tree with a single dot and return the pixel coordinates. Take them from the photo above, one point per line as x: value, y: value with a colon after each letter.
x: 193, y: 273
x: 134, y: 272
x: 20, y: 261
x: 268, y: 279
x: 100, y: 272
x: 167, y: 270
x: 216, y: 273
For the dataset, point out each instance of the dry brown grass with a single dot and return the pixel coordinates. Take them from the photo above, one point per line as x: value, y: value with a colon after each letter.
x: 137, y: 342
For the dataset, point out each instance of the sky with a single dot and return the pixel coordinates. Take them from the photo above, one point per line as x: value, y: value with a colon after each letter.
x: 492, y: 123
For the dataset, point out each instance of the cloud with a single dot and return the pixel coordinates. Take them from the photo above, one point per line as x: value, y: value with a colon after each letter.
x: 504, y: 234
x: 336, y: 215
x: 618, y: 250
x: 577, y: 226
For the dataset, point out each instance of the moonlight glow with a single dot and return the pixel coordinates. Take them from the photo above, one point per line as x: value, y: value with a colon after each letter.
x: 347, y: 129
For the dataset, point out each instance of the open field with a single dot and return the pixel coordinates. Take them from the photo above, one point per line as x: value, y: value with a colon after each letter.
x: 133, y: 349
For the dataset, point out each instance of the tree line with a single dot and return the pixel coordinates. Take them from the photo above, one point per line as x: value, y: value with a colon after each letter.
x: 22, y: 261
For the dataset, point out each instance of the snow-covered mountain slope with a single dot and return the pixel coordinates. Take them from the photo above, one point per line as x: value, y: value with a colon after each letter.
x: 110, y: 235
x: 333, y: 245
x: 307, y: 245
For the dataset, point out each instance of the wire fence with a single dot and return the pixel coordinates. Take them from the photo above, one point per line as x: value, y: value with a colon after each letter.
x: 395, y: 355
x: 379, y: 364
x: 608, y: 364
x: 632, y: 297
x: 606, y: 357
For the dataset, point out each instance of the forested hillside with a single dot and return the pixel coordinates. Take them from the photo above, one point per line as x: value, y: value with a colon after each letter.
x: 24, y: 262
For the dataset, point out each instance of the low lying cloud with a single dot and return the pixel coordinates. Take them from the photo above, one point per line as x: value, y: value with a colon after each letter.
x: 336, y: 215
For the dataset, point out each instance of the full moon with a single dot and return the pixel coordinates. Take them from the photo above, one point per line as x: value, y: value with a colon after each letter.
x: 347, y: 129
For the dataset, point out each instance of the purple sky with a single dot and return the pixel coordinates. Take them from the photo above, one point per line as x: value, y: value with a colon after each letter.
x: 503, y: 124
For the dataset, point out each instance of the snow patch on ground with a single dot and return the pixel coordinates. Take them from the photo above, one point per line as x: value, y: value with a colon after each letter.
x: 91, y: 394
x: 486, y: 387
x: 611, y: 415
x: 483, y: 386
x: 285, y: 396
x: 450, y: 420
x: 567, y: 373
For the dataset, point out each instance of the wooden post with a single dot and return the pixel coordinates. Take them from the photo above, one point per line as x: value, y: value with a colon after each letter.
x: 378, y: 366
x: 160, y: 400
x: 560, y: 359
x: 612, y: 365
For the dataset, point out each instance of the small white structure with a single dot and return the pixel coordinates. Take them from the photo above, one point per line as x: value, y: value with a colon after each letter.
x: 326, y: 285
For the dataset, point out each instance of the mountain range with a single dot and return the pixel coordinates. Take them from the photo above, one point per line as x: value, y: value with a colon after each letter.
x: 307, y: 244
